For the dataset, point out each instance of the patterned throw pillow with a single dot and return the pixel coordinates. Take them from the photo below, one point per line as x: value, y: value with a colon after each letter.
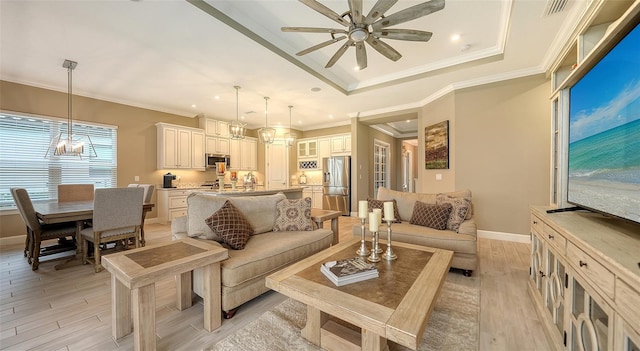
x: 230, y: 225
x: 460, y: 207
x: 373, y: 203
x: 432, y: 216
x: 293, y: 215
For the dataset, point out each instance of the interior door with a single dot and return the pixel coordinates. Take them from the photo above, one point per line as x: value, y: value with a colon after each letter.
x: 277, y: 165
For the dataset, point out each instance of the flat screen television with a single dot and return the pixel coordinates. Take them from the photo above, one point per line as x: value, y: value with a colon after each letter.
x: 604, y: 133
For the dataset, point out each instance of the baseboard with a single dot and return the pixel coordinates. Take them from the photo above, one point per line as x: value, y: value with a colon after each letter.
x: 151, y: 220
x: 518, y: 238
x: 13, y: 240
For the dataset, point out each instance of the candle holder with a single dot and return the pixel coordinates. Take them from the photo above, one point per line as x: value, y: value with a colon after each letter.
x: 220, y: 182
x: 389, y: 255
x: 362, y: 251
x: 374, y: 256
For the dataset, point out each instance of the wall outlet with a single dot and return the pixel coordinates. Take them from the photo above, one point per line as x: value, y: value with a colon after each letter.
x: 438, y: 176
x: 136, y: 178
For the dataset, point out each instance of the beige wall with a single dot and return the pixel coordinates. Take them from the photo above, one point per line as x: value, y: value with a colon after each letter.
x: 136, y: 135
x: 326, y: 131
x: 499, y: 139
x: 503, y: 142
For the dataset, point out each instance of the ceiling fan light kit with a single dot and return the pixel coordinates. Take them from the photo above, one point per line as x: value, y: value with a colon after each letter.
x: 369, y: 29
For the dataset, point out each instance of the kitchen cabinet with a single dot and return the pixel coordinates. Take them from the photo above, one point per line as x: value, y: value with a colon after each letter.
x: 218, y: 146
x: 324, y: 150
x: 308, y: 148
x: 179, y: 147
x: 341, y: 144
x: 172, y: 203
x: 315, y: 193
x: 214, y: 127
x: 244, y: 154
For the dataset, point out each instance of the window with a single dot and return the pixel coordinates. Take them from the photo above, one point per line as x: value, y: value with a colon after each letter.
x: 23, y: 143
x: 380, y: 166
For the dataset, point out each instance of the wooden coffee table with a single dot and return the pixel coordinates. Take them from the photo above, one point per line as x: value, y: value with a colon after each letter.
x: 134, y: 273
x: 395, y: 306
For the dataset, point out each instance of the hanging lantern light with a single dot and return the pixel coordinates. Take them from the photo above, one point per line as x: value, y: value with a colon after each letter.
x: 237, y: 129
x: 267, y: 135
x: 290, y: 138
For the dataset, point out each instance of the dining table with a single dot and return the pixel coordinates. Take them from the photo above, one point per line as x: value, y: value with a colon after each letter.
x: 50, y: 212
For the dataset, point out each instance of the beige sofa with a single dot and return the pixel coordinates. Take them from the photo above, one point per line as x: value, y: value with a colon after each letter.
x: 243, y: 273
x: 463, y: 243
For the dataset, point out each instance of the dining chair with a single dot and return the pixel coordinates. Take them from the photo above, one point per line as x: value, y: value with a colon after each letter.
x: 38, y: 232
x: 148, y: 195
x: 75, y: 192
x: 116, y: 217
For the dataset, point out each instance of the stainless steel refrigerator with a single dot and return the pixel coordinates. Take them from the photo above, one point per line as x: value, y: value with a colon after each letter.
x: 336, y: 184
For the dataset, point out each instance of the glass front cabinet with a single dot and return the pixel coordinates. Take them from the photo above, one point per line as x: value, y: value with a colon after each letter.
x: 555, y: 285
x: 591, y: 322
x: 626, y: 338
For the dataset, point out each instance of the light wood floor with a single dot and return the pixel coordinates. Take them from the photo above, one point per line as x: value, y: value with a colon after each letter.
x: 70, y: 309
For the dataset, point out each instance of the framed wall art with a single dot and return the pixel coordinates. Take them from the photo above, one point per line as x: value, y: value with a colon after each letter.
x: 436, y: 146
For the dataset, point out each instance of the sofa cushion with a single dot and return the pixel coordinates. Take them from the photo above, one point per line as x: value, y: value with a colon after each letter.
x: 406, y: 200
x: 460, y: 206
x: 432, y: 216
x: 230, y: 225
x: 258, y: 210
x: 292, y: 215
x: 441, y: 239
x: 379, y: 204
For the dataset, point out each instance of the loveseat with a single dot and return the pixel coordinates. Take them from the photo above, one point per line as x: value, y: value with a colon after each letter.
x: 267, y: 251
x: 463, y: 241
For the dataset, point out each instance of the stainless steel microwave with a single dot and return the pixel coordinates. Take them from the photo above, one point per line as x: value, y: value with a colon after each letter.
x: 211, y: 159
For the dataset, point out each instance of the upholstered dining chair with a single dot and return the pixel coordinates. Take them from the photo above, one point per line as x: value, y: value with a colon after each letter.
x: 75, y: 192
x: 116, y: 217
x: 148, y: 191
x: 38, y: 232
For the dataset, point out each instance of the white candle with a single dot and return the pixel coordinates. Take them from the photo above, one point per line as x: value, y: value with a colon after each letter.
x: 378, y: 213
x: 388, y: 211
x: 362, y: 209
x: 373, y: 222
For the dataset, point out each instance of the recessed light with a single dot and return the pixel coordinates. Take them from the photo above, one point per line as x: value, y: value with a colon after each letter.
x: 217, y: 97
x: 315, y: 89
x: 194, y: 106
x: 330, y: 116
x: 408, y: 121
x: 356, y: 68
x: 455, y: 37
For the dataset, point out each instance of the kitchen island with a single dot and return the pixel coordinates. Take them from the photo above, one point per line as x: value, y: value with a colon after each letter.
x: 172, y: 202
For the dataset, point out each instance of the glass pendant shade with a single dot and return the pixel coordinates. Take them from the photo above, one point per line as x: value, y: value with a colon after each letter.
x: 290, y: 137
x: 237, y: 129
x: 267, y: 135
x: 68, y: 144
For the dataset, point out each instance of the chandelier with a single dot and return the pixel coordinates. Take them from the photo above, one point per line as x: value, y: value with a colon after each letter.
x: 290, y: 138
x: 267, y: 135
x: 237, y: 129
x: 68, y: 144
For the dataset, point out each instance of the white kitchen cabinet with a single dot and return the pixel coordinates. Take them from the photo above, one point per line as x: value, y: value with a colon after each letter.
x: 324, y: 150
x: 177, y: 147
x: 218, y: 146
x: 341, y: 144
x: 172, y: 203
x: 244, y: 154
x: 308, y: 148
x: 316, y: 199
x: 214, y: 127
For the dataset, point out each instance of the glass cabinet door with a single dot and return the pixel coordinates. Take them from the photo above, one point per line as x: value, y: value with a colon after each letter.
x: 555, y: 291
x: 537, y: 264
x: 590, y: 323
x: 626, y: 339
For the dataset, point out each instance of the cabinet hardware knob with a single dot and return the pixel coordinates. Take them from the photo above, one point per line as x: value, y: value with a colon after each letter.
x: 535, y: 222
x: 551, y: 236
x: 582, y: 263
x: 541, y: 273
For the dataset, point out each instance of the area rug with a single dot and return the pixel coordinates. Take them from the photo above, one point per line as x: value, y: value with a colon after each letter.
x: 453, y: 324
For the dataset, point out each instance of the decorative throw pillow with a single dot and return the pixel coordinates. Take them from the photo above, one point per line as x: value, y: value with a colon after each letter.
x: 373, y: 203
x: 230, y: 225
x: 293, y: 215
x: 432, y: 216
x: 460, y: 207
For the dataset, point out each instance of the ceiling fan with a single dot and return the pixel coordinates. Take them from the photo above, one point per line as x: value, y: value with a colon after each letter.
x: 370, y: 28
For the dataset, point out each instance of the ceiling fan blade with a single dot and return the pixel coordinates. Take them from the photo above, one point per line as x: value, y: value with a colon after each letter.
x: 409, y: 14
x: 384, y: 48
x: 361, y: 55
x: 325, y: 11
x: 338, y: 54
x: 313, y: 30
x: 320, y: 46
x: 378, y: 10
x: 356, y: 10
x: 403, y: 34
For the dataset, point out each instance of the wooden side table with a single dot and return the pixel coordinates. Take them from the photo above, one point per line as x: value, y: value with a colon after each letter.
x: 133, y: 276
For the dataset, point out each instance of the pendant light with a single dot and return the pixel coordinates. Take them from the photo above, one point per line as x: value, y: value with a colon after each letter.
x: 68, y: 144
x: 237, y: 129
x: 290, y: 138
x: 267, y: 135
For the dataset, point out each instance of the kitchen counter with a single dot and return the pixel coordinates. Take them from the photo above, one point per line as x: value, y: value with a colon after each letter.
x: 294, y: 192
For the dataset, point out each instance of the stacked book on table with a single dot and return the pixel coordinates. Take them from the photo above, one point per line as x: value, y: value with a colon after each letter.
x: 350, y: 270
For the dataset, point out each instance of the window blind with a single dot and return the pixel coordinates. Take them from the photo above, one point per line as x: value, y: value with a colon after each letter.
x: 23, y: 143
